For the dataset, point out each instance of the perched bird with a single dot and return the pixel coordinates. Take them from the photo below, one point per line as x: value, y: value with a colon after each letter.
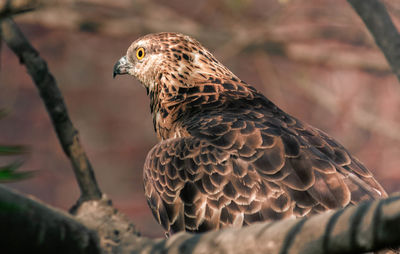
x: 227, y: 155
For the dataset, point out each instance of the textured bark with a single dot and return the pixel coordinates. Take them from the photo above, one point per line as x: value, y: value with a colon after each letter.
x: 370, y: 226
x: 379, y: 23
x: 54, y: 102
x: 367, y: 227
x: 28, y: 226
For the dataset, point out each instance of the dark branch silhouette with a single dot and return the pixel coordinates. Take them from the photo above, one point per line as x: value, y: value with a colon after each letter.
x: 54, y: 102
x: 379, y: 23
x: 369, y: 226
x: 28, y: 226
x: 11, y: 7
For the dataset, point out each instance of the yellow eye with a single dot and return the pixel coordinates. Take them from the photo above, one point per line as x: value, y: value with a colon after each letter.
x: 140, y: 53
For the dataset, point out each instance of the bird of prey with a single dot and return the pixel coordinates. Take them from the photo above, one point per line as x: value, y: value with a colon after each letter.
x: 227, y: 155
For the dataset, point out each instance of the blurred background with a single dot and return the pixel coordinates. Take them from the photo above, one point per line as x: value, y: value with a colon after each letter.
x: 315, y: 59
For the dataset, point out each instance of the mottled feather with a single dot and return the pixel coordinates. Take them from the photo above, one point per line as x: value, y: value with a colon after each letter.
x: 227, y: 155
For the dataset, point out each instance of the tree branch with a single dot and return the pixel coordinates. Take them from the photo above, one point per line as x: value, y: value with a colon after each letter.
x: 13, y: 7
x: 379, y: 23
x: 370, y: 226
x: 28, y: 226
x: 54, y: 102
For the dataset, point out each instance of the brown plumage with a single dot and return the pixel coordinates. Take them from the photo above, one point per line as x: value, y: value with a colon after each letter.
x: 227, y: 155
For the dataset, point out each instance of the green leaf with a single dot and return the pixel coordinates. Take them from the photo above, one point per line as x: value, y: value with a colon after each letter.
x: 8, y: 173
x: 12, y: 150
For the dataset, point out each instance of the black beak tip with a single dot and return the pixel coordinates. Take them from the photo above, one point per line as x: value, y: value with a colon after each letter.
x: 116, y: 69
x: 121, y: 67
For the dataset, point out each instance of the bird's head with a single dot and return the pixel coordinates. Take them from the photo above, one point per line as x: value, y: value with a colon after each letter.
x: 169, y: 57
x: 180, y: 76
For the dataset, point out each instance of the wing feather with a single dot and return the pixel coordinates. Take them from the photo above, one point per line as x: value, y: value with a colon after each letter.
x: 249, y: 161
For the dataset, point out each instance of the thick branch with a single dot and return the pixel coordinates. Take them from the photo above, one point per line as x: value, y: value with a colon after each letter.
x: 13, y: 7
x: 369, y: 226
x: 379, y: 23
x: 29, y: 226
x: 54, y: 102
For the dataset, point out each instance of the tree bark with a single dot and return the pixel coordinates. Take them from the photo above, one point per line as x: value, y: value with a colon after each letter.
x: 370, y: 226
x: 385, y: 34
x: 54, y: 102
x: 28, y: 225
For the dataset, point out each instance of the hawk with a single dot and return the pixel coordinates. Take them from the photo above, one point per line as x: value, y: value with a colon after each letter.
x: 227, y: 155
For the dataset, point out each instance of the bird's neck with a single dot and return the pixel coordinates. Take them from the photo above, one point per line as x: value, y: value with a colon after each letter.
x: 173, y: 104
x: 166, y: 102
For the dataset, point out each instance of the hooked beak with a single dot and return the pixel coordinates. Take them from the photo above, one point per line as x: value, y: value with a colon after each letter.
x: 122, y: 67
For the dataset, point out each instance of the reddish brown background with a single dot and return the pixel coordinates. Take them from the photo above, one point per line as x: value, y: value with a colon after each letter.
x: 315, y: 59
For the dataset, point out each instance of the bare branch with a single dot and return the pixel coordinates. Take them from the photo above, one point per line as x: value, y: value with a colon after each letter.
x: 357, y: 229
x: 379, y: 23
x: 115, y: 230
x: 370, y: 226
x: 54, y: 102
x: 28, y: 226
x: 13, y: 7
